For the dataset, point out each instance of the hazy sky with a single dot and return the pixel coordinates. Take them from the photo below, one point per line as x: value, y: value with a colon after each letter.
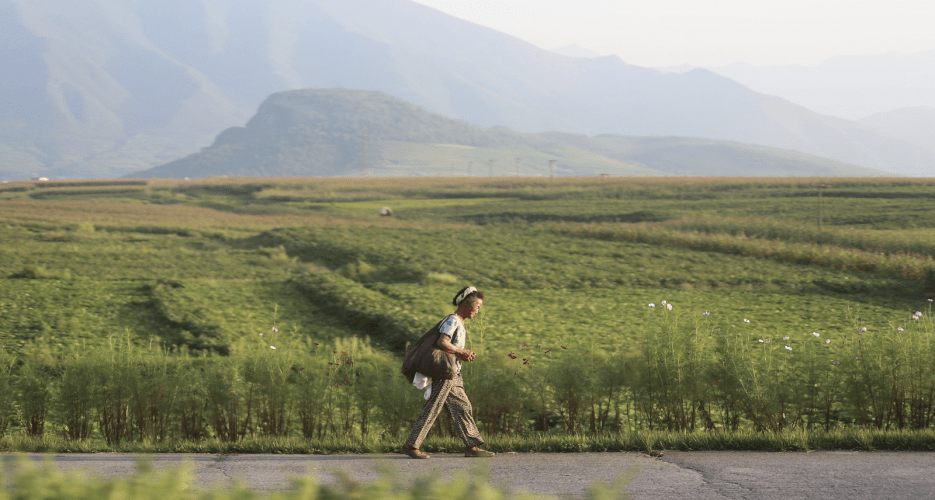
x: 711, y: 32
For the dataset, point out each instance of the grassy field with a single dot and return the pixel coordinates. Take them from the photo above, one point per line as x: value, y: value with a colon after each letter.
x: 206, y: 269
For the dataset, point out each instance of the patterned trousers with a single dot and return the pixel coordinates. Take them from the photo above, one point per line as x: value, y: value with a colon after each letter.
x: 449, y: 393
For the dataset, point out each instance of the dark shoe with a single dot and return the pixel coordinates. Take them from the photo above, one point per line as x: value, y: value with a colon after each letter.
x: 478, y: 453
x: 413, y: 453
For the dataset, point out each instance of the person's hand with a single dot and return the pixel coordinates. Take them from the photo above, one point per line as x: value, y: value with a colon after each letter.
x: 468, y: 355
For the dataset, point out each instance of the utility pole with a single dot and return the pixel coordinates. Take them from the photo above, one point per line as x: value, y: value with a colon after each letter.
x: 363, y: 154
x: 820, y: 187
x: 490, y: 165
x: 681, y: 205
x: 551, y: 170
x: 819, y: 209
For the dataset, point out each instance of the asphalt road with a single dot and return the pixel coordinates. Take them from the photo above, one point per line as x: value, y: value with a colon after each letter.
x: 674, y: 475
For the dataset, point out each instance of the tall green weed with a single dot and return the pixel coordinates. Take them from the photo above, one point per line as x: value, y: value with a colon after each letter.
x: 75, y: 399
x: 8, y: 395
x: 34, y: 394
x: 687, y: 371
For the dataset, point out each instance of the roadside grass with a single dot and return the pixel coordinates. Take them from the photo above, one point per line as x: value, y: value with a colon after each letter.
x: 644, y: 441
x: 682, y: 371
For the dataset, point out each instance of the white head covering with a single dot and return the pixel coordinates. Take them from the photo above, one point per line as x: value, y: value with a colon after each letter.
x: 463, y: 294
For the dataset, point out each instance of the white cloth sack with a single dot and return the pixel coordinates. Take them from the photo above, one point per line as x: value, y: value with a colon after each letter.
x: 420, y: 381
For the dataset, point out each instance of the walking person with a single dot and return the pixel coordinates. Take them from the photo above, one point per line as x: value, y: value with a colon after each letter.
x: 450, y: 393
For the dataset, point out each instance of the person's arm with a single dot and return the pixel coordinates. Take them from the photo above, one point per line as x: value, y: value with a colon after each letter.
x: 444, y: 343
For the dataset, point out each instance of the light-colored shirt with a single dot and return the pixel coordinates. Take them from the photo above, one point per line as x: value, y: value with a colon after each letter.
x: 453, y: 326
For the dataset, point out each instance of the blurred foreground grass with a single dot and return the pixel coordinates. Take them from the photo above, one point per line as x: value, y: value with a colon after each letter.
x: 26, y: 480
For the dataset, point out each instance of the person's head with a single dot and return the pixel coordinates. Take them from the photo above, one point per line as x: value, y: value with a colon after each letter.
x: 468, y: 300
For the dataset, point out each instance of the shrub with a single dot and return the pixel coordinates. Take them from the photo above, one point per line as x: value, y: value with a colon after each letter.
x: 229, y: 399
x: 191, y: 404
x: 687, y: 372
x: 8, y: 395
x: 114, y: 376
x: 41, y: 273
x: 154, y: 392
x: 33, y: 395
x: 442, y: 279
x: 75, y: 399
x: 267, y: 369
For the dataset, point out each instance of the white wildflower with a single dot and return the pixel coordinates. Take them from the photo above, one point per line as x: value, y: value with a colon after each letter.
x: 669, y: 306
x: 275, y: 330
x: 663, y: 302
x: 652, y: 305
x: 272, y: 347
x: 761, y: 341
x: 785, y: 338
x: 900, y: 329
x: 745, y: 320
x: 827, y: 341
x: 788, y: 348
x: 707, y: 313
x: 816, y: 334
x: 862, y: 330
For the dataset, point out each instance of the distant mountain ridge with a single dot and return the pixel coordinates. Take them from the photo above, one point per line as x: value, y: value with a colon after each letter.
x: 915, y: 124
x: 575, y: 50
x: 850, y: 87
x: 97, y: 88
x: 331, y: 132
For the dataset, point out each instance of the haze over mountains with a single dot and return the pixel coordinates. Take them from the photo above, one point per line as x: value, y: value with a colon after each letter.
x: 915, y: 124
x: 892, y: 93
x: 851, y: 87
x: 575, y: 50
x: 93, y: 88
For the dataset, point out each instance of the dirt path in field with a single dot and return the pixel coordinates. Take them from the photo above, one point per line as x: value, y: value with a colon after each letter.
x: 674, y: 475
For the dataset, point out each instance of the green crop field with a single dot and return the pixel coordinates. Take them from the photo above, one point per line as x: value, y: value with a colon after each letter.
x: 200, y: 276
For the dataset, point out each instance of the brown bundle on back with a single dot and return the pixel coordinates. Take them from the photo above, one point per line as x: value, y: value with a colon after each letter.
x: 423, y: 357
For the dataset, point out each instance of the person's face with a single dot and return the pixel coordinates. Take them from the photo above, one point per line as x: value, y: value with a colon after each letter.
x: 474, y: 308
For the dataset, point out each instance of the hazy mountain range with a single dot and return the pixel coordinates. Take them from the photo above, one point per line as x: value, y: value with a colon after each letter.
x: 916, y: 124
x: 92, y: 88
x: 575, y: 50
x: 317, y: 132
x: 851, y: 87
x: 891, y: 93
